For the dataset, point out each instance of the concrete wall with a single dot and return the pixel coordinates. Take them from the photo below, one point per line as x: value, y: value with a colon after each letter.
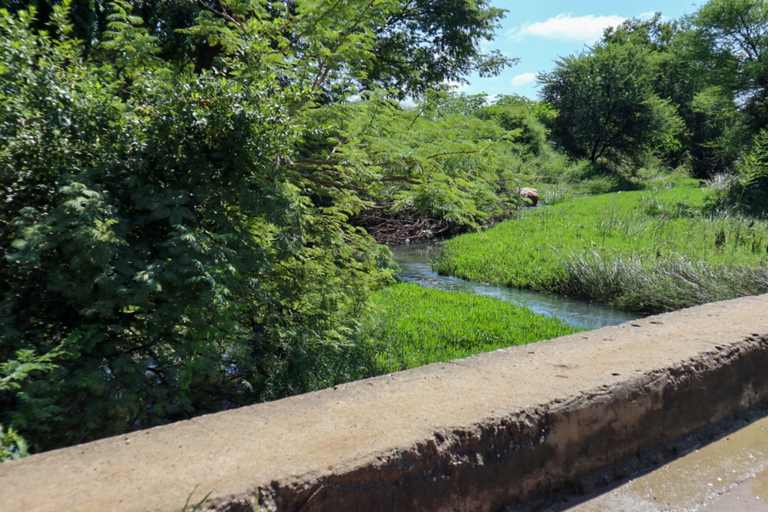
x: 470, y: 435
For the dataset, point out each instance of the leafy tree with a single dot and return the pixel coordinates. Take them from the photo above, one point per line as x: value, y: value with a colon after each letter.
x: 427, y: 42
x: 733, y: 34
x: 606, y: 103
x: 176, y: 236
x: 721, y: 133
x: 429, y: 163
x: 522, y: 115
x: 715, y: 76
x: 406, y: 46
x: 159, y: 248
x: 749, y: 192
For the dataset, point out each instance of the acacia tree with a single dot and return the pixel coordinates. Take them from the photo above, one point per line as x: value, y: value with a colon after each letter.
x: 733, y: 37
x: 413, y: 45
x: 422, y: 171
x: 165, y: 250
x: 158, y: 251
x: 606, y: 103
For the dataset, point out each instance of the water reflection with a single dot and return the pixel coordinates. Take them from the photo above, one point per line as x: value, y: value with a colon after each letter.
x: 414, y: 262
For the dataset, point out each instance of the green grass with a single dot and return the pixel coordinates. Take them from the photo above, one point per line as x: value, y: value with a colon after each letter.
x: 407, y: 326
x: 419, y: 325
x: 646, y: 251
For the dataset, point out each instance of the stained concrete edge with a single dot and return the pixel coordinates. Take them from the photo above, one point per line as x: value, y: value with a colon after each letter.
x: 474, y: 434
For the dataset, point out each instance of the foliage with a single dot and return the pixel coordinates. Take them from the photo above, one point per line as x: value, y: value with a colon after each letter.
x: 716, y: 77
x: 734, y: 33
x: 515, y: 114
x: 696, y: 85
x: 749, y: 191
x: 157, y: 239
x: 428, y: 42
x: 722, y: 131
x: 606, y: 103
x: 176, y: 234
x: 429, y: 160
x: 419, y: 325
x: 12, y: 374
x: 753, y: 174
x: 652, y: 238
x: 12, y: 445
x: 405, y: 46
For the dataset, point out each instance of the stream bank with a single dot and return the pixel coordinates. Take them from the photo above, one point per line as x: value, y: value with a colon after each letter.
x: 414, y: 262
x: 725, y: 471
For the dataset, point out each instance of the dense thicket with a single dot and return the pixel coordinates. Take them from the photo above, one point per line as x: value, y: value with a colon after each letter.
x: 174, y: 227
x: 689, y: 92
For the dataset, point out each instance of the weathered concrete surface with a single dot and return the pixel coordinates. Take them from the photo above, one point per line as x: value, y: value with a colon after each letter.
x: 727, y: 475
x: 470, y: 435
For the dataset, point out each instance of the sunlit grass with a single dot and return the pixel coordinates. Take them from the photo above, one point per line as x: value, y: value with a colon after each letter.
x: 420, y: 325
x: 646, y: 251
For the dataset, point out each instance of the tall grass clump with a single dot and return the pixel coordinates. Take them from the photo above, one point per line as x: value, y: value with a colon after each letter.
x: 747, y: 190
x: 666, y: 285
x: 646, y: 251
x: 419, y: 325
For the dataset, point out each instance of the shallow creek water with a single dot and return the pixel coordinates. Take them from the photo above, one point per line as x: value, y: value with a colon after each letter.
x: 727, y: 475
x: 414, y: 261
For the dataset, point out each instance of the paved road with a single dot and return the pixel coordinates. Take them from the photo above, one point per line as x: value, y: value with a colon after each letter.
x: 729, y: 475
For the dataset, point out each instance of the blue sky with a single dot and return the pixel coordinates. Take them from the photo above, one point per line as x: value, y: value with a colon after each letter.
x: 539, y: 31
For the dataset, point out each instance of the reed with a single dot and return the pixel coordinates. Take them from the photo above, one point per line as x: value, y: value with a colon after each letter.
x: 647, y: 251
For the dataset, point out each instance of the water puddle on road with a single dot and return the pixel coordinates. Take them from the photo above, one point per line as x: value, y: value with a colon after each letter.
x: 727, y: 475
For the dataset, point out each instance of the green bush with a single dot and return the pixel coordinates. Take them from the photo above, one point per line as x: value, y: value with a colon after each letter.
x: 751, y: 192
x: 532, y: 133
x: 647, y: 251
x: 12, y: 445
x: 158, y: 253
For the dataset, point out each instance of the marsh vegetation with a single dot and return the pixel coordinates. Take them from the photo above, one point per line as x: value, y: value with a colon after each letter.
x: 648, y: 251
x: 192, y: 193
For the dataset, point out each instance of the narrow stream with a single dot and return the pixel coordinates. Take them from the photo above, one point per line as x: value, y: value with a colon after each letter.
x: 414, y: 260
x: 727, y: 475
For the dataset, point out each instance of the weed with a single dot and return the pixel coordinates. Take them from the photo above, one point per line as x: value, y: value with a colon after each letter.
x: 645, y: 251
x: 199, y: 505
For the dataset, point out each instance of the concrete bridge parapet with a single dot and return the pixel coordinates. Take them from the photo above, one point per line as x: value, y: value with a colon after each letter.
x: 474, y: 434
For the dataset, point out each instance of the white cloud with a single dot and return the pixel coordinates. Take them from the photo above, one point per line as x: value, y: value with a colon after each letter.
x: 566, y: 27
x: 525, y: 78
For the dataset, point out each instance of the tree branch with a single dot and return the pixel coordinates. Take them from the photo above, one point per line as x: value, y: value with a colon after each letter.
x: 221, y: 14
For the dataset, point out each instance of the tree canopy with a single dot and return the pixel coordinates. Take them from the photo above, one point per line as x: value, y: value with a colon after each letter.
x: 606, y: 102
x: 179, y: 184
x: 686, y: 92
x: 406, y: 46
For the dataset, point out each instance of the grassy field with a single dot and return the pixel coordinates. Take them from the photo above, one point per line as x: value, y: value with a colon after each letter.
x: 420, y: 325
x: 647, y: 251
